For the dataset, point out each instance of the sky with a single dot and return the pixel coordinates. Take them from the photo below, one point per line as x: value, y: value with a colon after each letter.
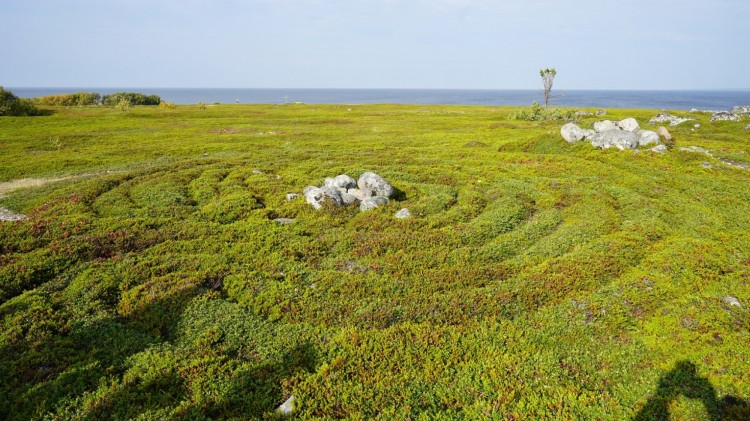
x: 411, y: 44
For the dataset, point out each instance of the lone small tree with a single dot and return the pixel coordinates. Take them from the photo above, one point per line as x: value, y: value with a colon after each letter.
x: 548, y: 76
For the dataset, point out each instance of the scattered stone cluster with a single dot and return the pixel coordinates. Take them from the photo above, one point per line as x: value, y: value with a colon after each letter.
x: 662, y: 118
x: 623, y: 134
x: 369, y: 192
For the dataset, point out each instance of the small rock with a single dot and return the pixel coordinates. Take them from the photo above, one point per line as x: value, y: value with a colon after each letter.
x: 747, y: 127
x: 724, y: 116
x: 696, y: 125
x: 605, y: 126
x: 287, y: 407
x: 9, y: 215
x: 291, y: 196
x: 256, y: 171
x: 731, y: 301
x: 659, y: 148
x: 571, y: 133
x: 663, y: 132
x: 284, y: 221
x: 403, y: 214
x: 601, y: 112
x: 696, y: 149
x: 372, y: 203
x: 647, y: 137
x: 376, y: 183
x: 629, y: 125
x: 583, y: 114
x: 706, y: 165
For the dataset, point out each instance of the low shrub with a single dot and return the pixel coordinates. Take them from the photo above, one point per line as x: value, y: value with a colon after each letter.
x: 133, y: 98
x: 167, y: 105
x: 11, y: 105
x: 539, y: 113
x: 77, y: 98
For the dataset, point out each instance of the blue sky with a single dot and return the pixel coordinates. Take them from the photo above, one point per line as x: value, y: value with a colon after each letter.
x: 473, y: 44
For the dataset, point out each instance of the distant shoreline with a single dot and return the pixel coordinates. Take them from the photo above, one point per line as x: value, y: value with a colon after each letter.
x: 646, y: 99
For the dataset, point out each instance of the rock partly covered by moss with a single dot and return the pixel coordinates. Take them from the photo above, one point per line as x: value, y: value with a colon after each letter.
x: 668, y: 118
x: 369, y: 191
x: 623, y: 134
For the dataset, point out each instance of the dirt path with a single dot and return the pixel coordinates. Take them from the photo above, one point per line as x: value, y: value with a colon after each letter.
x: 23, y: 183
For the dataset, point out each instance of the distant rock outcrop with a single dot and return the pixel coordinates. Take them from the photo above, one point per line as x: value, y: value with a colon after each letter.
x: 724, y: 116
x: 668, y: 118
x: 741, y: 110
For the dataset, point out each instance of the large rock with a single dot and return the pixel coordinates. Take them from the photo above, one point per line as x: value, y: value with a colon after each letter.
x: 360, y: 194
x: 668, y: 118
x: 349, y: 199
x: 341, y: 181
x: 724, y: 116
x: 372, y: 203
x: 605, y: 126
x: 647, y: 137
x: 571, y: 133
x: 615, y: 138
x: 629, y: 125
x: 317, y: 195
x: 375, y: 183
x: 587, y: 133
x: 663, y: 132
x: 741, y: 109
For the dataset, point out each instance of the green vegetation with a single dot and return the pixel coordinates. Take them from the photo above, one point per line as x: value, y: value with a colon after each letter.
x: 132, y: 98
x: 536, y: 280
x: 77, y: 98
x: 538, y: 113
x: 11, y: 105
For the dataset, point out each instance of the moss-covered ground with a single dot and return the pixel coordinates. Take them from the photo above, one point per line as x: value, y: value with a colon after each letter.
x: 535, y: 280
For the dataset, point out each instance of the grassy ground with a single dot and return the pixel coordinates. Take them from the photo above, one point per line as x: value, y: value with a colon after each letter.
x: 536, y: 280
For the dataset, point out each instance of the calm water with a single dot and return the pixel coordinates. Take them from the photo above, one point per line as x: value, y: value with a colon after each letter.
x: 668, y: 100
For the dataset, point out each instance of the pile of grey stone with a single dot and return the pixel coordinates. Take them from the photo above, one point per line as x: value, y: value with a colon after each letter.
x: 623, y: 134
x: 662, y: 118
x: 369, y: 192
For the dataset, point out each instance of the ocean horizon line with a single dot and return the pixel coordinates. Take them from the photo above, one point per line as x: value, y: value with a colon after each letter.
x: 583, y: 98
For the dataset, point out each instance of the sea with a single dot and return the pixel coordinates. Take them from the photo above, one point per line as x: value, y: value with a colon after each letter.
x: 714, y: 100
